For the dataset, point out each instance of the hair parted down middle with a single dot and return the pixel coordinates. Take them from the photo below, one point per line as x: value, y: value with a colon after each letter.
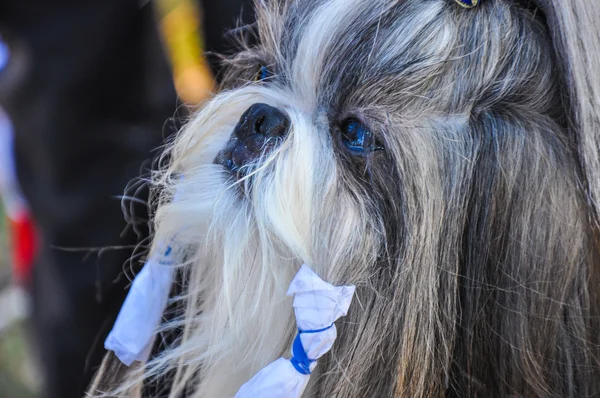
x: 444, y: 160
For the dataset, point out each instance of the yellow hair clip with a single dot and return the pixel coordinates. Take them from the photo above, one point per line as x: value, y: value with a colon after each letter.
x: 467, y: 3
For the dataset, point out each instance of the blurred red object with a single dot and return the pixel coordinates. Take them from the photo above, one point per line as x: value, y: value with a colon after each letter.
x: 23, y: 239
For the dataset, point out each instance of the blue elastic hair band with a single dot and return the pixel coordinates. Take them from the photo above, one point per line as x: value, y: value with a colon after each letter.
x: 300, y: 360
x: 167, y: 253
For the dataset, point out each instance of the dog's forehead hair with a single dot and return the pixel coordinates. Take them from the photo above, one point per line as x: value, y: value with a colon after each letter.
x: 337, y: 51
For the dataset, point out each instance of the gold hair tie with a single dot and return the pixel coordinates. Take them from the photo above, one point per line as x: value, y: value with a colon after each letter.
x: 467, y: 3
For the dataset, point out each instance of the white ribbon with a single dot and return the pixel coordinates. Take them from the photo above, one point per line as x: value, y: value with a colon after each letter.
x: 132, y: 335
x: 317, y: 305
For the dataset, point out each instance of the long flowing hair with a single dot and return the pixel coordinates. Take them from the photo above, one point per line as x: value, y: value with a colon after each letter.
x: 473, y: 241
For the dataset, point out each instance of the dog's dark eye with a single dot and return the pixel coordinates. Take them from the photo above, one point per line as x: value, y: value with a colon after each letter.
x: 263, y: 73
x: 358, y: 138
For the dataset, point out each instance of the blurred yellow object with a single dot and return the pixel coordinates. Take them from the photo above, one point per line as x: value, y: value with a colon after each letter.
x: 181, y: 29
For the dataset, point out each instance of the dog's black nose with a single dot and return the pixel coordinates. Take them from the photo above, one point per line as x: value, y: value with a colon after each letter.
x: 264, y: 120
x: 260, y: 129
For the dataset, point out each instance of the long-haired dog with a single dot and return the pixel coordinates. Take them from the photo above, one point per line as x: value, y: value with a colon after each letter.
x: 445, y: 160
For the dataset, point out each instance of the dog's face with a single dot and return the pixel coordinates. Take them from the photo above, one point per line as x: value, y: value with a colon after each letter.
x: 413, y: 148
x: 352, y: 122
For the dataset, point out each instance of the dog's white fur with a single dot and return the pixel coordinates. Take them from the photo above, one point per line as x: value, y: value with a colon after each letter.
x: 245, y: 252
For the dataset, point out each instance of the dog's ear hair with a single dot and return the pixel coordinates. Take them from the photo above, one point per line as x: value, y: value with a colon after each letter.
x: 108, y: 377
x: 574, y: 29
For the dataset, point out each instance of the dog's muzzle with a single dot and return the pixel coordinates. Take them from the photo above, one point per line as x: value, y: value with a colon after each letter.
x: 260, y: 129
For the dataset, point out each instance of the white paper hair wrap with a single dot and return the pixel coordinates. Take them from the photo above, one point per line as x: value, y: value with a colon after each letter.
x: 132, y: 335
x: 317, y: 305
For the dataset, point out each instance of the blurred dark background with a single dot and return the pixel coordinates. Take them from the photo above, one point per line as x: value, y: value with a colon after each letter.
x: 88, y: 90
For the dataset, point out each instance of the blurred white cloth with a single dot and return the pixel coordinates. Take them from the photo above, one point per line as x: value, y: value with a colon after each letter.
x: 12, y: 199
x: 4, y: 54
x: 317, y: 305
